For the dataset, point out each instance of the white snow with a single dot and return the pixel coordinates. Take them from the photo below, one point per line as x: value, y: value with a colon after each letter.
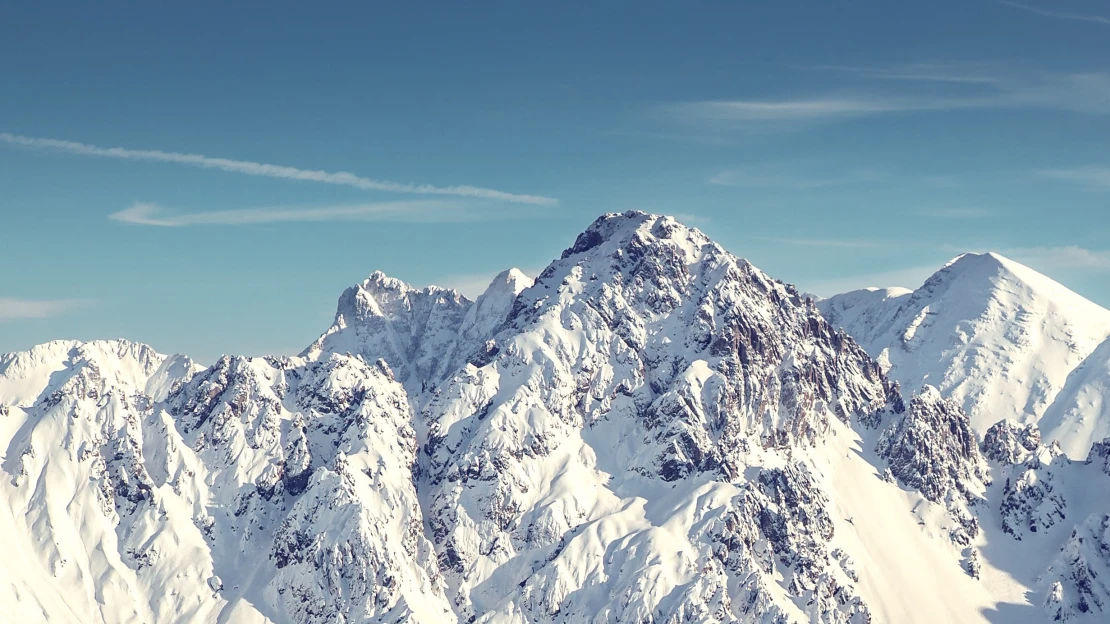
x: 992, y: 333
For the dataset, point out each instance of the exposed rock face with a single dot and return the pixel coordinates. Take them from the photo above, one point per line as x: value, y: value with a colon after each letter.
x: 1032, y: 500
x: 1075, y: 584
x: 1100, y: 455
x: 1009, y: 443
x: 932, y: 449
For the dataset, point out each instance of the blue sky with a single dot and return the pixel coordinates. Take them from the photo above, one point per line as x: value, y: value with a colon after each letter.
x: 269, y: 155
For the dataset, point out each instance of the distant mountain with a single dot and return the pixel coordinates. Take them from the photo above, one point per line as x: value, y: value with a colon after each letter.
x: 653, y: 430
x: 426, y: 333
x: 995, y: 335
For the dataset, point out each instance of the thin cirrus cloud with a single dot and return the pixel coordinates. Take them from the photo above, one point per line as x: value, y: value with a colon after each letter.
x: 815, y: 108
x: 802, y: 176
x: 251, y: 168
x: 1092, y: 177
x: 12, y: 309
x: 937, y: 88
x: 800, y: 109
x: 146, y: 213
x: 1065, y: 257
x: 1064, y: 15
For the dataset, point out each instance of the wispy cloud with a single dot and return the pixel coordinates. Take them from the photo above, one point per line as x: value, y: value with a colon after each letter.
x: 247, y: 167
x: 1092, y: 177
x: 17, y: 309
x: 145, y: 213
x: 819, y: 175
x: 801, y: 109
x: 950, y: 88
x: 1065, y: 15
x: 1066, y: 257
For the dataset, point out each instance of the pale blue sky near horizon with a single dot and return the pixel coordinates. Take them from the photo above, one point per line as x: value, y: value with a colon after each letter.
x: 208, y: 178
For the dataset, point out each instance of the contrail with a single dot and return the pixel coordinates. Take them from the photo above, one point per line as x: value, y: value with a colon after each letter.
x: 272, y: 171
x: 420, y: 211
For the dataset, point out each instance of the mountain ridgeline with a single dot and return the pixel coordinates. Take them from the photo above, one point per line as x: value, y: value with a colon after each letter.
x: 652, y: 430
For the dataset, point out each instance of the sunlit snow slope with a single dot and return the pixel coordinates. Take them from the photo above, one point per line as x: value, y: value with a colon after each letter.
x: 999, y: 337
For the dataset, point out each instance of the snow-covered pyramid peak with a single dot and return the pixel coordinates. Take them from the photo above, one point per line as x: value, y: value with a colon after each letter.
x: 992, y: 333
x: 975, y: 275
x: 485, y: 317
x: 971, y: 260
x: 510, y: 280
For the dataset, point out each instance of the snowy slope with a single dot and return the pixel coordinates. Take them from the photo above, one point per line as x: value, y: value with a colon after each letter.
x: 997, y: 336
x: 1080, y: 414
x: 259, y: 490
x: 653, y: 430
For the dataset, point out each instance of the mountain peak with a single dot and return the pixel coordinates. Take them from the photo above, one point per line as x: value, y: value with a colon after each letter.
x: 513, y: 280
x: 378, y: 280
x: 974, y: 327
x: 27, y: 374
x: 619, y: 228
x: 1009, y: 283
x: 973, y: 266
x: 422, y: 332
x: 972, y: 258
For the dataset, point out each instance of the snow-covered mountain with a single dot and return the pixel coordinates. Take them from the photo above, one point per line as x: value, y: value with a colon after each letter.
x: 425, y: 334
x: 652, y: 431
x: 1000, y: 338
